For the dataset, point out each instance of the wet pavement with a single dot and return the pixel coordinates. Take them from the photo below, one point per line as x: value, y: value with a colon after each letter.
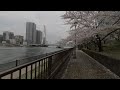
x: 85, y: 67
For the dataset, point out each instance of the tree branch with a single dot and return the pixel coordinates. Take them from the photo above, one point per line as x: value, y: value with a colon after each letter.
x: 110, y: 33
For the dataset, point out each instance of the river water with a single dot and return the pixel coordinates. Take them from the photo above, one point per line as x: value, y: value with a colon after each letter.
x: 8, y: 54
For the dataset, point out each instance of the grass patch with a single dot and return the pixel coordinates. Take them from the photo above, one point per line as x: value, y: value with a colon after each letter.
x: 112, y: 50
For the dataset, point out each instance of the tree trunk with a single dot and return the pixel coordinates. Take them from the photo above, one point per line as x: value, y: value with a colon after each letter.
x: 100, y: 46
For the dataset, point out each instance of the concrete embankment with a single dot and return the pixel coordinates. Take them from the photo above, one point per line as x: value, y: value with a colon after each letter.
x: 109, y: 62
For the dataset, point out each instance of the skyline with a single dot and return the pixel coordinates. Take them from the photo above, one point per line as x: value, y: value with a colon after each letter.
x: 15, y: 21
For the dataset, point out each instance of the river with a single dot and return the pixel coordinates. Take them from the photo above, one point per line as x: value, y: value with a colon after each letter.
x: 8, y: 54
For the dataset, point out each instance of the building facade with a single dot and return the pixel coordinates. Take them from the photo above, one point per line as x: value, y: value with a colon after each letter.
x: 31, y: 33
x: 38, y: 37
x: 24, y: 43
x: 19, y: 39
x: 8, y: 35
x: 12, y: 41
x: 1, y: 38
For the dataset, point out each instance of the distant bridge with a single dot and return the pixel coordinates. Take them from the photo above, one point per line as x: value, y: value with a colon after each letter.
x: 42, y: 45
x: 37, y: 45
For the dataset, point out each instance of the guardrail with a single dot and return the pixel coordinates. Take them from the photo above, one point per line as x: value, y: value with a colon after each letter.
x: 14, y: 63
x: 43, y: 68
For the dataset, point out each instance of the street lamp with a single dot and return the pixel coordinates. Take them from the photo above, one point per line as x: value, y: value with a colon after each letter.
x: 75, y: 24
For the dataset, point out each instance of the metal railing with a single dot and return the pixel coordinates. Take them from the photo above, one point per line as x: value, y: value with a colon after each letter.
x: 14, y: 63
x: 43, y: 68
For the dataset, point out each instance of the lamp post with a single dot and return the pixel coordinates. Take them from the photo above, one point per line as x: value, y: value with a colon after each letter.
x: 75, y: 24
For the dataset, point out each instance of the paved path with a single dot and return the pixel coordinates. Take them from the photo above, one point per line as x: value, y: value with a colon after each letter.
x: 85, y: 67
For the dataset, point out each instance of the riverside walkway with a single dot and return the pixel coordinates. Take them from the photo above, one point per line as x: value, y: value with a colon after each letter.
x: 85, y: 67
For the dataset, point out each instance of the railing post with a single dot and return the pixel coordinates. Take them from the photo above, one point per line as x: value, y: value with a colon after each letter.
x: 20, y: 74
x: 11, y: 76
x: 26, y: 72
x: 35, y: 69
x: 49, y: 66
x: 16, y: 62
x: 31, y: 71
x: 39, y: 70
x: 44, y: 70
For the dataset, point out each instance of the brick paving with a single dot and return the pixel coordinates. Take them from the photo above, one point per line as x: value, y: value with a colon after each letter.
x: 85, y: 67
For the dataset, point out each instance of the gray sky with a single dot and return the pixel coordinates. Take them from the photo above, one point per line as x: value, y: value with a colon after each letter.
x: 15, y: 21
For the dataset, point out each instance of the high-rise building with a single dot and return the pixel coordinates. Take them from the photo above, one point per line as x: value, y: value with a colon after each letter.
x: 8, y: 35
x: 31, y: 33
x: 11, y: 35
x: 38, y: 37
x: 44, y: 38
x: 19, y: 39
x: 1, y: 38
x: 41, y: 37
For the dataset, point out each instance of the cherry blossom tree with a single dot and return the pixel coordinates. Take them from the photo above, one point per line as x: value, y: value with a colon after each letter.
x: 92, y: 24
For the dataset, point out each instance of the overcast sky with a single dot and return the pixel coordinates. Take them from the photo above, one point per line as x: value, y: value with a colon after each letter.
x: 15, y: 21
